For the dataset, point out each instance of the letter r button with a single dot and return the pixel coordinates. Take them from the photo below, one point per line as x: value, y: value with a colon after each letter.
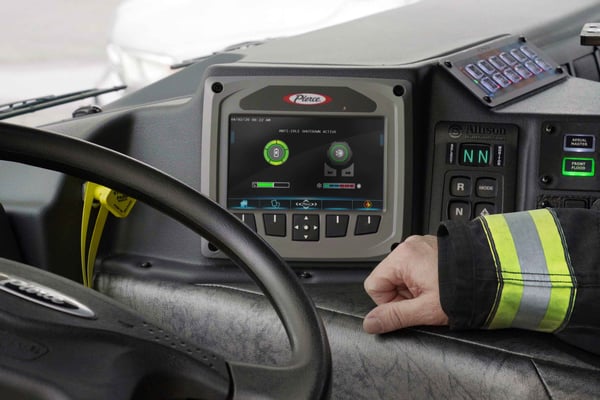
x: 460, y: 186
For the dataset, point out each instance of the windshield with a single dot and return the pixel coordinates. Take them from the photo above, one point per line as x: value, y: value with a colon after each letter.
x: 72, y: 46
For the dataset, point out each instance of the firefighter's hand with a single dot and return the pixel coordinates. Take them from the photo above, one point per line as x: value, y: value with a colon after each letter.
x: 405, y: 288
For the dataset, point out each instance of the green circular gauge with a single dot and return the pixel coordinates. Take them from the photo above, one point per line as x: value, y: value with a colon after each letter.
x: 276, y: 152
x: 339, y: 153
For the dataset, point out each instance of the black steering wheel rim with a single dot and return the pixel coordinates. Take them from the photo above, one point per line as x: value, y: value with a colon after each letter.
x: 308, y: 373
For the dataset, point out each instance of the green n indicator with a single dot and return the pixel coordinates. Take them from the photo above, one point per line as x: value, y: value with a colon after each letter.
x: 474, y: 155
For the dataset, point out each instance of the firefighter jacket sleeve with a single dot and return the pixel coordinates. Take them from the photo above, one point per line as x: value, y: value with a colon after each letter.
x: 536, y: 270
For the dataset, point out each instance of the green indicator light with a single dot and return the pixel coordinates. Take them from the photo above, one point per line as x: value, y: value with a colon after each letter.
x: 265, y: 185
x: 276, y: 152
x: 577, y: 166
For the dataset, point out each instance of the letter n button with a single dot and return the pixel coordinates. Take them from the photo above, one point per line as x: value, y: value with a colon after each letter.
x: 459, y: 211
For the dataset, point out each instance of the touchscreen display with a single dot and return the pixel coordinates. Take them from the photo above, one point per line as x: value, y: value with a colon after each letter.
x: 305, y: 163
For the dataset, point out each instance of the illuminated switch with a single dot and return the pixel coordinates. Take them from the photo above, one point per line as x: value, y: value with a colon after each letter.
x: 501, y: 80
x: 497, y: 62
x: 489, y: 85
x: 580, y: 143
x: 524, y: 72
x: 486, y: 67
x: 575, y: 166
x: 474, y: 71
x: 512, y: 75
x: 520, y: 57
x: 533, y: 67
x: 528, y: 51
x: 507, y: 58
x: 543, y: 64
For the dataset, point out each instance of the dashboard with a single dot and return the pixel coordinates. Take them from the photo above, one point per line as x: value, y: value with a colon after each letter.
x: 335, y: 150
x: 329, y: 167
x: 334, y: 146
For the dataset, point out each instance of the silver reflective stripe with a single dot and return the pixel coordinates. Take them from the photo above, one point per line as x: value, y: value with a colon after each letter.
x: 537, y: 287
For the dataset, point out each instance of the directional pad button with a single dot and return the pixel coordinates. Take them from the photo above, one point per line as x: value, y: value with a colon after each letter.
x: 305, y: 227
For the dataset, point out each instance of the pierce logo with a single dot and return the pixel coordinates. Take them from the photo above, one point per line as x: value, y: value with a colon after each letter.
x: 43, y: 296
x: 307, y: 99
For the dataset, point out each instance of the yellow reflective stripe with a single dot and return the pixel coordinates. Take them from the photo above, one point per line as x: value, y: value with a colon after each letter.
x: 536, y: 288
x: 563, y: 292
x: 509, y: 269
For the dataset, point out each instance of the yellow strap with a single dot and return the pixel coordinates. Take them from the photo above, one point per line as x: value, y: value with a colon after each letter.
x: 88, y: 200
x: 95, y: 243
x: 111, y: 201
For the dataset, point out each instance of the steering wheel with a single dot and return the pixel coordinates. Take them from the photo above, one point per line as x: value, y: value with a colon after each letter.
x: 308, y: 373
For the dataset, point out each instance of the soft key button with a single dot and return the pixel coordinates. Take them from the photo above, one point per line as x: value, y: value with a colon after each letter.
x: 274, y: 224
x: 248, y: 219
x: 336, y: 225
x: 367, y: 224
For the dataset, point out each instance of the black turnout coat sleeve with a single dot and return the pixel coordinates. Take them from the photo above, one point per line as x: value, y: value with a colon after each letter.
x: 477, y: 280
